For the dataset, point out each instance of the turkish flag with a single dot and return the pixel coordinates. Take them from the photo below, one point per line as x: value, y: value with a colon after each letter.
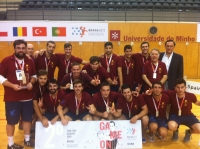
x: 39, y: 31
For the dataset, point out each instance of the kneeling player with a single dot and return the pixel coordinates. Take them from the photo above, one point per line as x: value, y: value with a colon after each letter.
x: 157, y: 104
x: 79, y: 103
x: 132, y: 108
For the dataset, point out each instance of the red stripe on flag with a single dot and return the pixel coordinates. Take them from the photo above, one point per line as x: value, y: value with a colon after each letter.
x: 24, y: 31
x: 3, y: 33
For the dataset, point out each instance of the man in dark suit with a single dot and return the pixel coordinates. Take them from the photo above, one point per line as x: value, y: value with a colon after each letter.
x: 174, y: 64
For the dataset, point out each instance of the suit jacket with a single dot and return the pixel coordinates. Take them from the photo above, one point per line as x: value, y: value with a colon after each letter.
x: 175, y: 70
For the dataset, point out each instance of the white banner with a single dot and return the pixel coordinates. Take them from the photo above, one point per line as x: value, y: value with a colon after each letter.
x: 53, y: 30
x: 89, y: 135
x: 198, y: 32
x: 193, y: 87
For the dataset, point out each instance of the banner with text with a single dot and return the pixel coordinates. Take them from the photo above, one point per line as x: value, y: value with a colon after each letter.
x: 89, y: 135
x: 56, y: 31
x: 193, y: 87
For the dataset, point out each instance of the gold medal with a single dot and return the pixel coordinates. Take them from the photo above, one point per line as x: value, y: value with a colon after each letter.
x: 179, y: 112
x: 66, y: 70
x: 47, y: 69
x: 108, y: 70
x: 77, y: 112
x: 129, y: 114
x: 157, y: 113
x: 127, y: 71
x: 107, y: 109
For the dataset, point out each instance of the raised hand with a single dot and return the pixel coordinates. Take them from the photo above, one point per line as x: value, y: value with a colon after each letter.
x: 40, y: 102
x: 115, y: 82
x: 149, y: 91
x: 96, y: 79
x: 92, y: 110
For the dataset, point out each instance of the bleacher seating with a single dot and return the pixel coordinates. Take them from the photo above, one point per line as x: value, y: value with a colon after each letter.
x: 109, y: 5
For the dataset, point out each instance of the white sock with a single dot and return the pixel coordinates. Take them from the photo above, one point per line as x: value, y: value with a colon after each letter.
x: 10, y: 140
x: 27, y: 137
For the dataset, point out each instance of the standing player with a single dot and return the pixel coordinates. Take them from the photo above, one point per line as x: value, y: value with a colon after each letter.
x: 180, y: 112
x: 51, y: 99
x: 18, y: 92
x: 140, y: 59
x: 128, y: 66
x: 104, y: 101
x: 112, y: 63
x: 47, y: 61
x: 66, y: 60
x: 157, y: 105
x: 131, y: 108
x: 154, y: 70
x: 67, y: 82
x: 79, y: 103
x: 94, y: 70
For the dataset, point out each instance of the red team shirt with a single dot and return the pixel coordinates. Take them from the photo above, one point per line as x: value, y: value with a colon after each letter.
x: 41, y: 64
x: 140, y: 60
x: 130, y: 77
x: 161, y: 104
x: 50, y: 104
x: 148, y: 71
x: 187, y: 103
x: 135, y: 106
x: 38, y: 91
x: 99, y: 101
x: 101, y: 72
x: 8, y: 70
x: 84, y: 77
x: 114, y: 64
x: 70, y: 102
x: 63, y: 64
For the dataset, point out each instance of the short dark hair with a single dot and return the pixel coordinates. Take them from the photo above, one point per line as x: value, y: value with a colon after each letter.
x: 77, y: 81
x: 42, y: 72
x: 127, y: 47
x: 75, y: 64
x: 180, y: 81
x: 125, y: 86
x: 112, y: 122
x: 170, y: 41
x: 108, y: 44
x: 18, y: 42
x: 156, y: 82
x: 67, y: 45
x: 94, y: 59
x: 143, y: 43
x: 104, y: 84
x: 53, y: 81
x: 51, y: 42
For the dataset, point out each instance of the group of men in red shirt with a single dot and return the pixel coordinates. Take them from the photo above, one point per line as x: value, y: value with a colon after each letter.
x: 93, y: 93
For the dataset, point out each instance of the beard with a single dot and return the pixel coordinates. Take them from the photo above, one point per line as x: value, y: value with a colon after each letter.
x: 52, y: 91
x: 20, y: 55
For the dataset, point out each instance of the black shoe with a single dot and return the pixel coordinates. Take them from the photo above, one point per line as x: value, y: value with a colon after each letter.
x: 187, y: 137
x: 29, y: 143
x: 15, y: 146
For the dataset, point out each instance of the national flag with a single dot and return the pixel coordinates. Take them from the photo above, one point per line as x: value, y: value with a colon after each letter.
x: 19, y: 31
x: 114, y: 35
x: 58, y: 31
x: 3, y: 33
x: 39, y: 31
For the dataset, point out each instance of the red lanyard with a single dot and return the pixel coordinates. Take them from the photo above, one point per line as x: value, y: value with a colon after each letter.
x: 21, y: 66
x: 77, y: 103
x: 108, y: 62
x: 179, y: 107
x: 107, y: 104
x: 41, y: 90
x: 154, y: 70
x: 129, y: 108
x: 55, y: 100
x: 67, y: 64
x: 157, y: 108
x: 128, y: 66
x: 46, y: 62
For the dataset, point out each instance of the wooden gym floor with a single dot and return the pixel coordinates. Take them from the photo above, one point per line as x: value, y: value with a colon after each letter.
x: 167, y: 144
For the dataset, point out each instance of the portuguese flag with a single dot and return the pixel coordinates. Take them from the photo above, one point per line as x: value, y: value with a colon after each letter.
x: 58, y: 31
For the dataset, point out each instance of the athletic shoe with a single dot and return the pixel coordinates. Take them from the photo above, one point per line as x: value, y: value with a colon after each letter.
x: 151, y: 138
x: 160, y: 137
x: 15, y: 146
x: 29, y: 143
x: 175, y: 136
x: 144, y: 140
x: 187, y: 136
